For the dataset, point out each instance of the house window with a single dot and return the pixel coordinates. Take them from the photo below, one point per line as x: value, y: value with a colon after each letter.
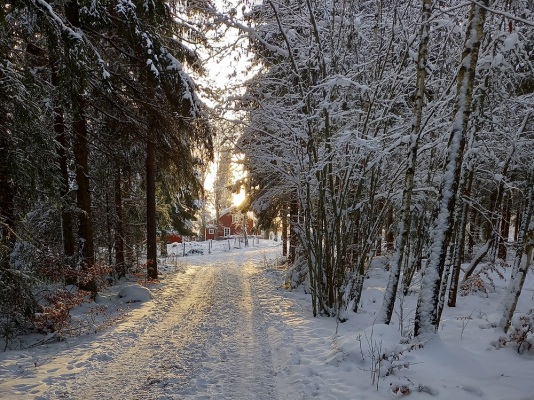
x: 236, y: 218
x: 211, y: 231
x: 226, y: 231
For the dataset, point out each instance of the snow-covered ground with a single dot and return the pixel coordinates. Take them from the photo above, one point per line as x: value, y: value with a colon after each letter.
x: 220, y: 325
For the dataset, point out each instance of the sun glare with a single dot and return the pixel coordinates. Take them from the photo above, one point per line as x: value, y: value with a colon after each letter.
x: 238, y: 198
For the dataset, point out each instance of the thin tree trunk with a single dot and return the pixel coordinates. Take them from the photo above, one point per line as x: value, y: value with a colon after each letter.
x: 128, y: 237
x: 120, y: 266
x: 163, y: 243
x: 390, y: 237
x: 522, y: 261
x: 152, y: 250
x: 460, y: 244
x: 7, y: 205
x: 415, y: 251
x: 66, y: 215
x: 473, y: 229
x: 284, y: 231
x: 517, y: 222
x: 494, y: 223
x: 426, y: 317
x: 109, y: 226
x: 505, y: 229
x: 405, y: 218
x: 293, y: 223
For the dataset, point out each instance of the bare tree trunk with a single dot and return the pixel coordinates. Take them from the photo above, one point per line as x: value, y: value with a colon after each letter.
x: 293, y: 223
x: 405, y: 218
x: 7, y: 205
x: 517, y: 225
x: 83, y: 194
x: 128, y: 237
x: 473, y: 229
x: 505, y: 228
x: 283, y: 215
x: 522, y: 261
x: 390, y: 237
x: 494, y: 222
x: 151, y: 245
x: 67, y: 227
x: 460, y: 244
x: 81, y: 159
x: 163, y: 243
x: 426, y: 317
x: 120, y: 265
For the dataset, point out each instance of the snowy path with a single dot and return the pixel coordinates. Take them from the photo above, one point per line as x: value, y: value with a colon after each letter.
x: 210, y: 342
x: 210, y: 334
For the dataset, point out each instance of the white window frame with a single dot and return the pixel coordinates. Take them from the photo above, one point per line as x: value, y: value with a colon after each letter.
x: 226, y: 232
x: 211, y: 231
x: 236, y: 218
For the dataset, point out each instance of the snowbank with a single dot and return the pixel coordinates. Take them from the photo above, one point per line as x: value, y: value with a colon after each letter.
x: 135, y: 294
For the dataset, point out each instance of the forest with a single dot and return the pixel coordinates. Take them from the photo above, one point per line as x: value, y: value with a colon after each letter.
x: 366, y: 128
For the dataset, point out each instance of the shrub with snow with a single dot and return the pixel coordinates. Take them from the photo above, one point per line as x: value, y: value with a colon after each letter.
x: 483, y: 280
x: 55, y: 315
x: 521, y: 333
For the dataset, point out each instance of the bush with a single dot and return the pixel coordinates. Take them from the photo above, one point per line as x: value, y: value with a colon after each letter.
x: 483, y: 279
x: 520, y: 334
x: 55, y: 314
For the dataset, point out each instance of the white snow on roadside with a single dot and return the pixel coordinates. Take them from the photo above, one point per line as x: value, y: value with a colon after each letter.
x: 190, y: 327
x: 135, y: 294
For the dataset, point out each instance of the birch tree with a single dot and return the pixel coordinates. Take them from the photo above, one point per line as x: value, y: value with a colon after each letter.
x: 426, y: 318
x: 405, y: 212
x: 334, y: 133
x: 523, y: 257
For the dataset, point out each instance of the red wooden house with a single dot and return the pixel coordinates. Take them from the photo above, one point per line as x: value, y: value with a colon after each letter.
x: 231, y: 223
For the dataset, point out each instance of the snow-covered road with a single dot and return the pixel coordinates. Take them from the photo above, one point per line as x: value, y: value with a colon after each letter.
x: 219, y: 327
x: 207, y: 337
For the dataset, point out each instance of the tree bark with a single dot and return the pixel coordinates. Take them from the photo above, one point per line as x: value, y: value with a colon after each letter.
x: 81, y: 159
x: 405, y: 219
x: 460, y: 244
x: 426, y: 317
x: 163, y: 243
x: 120, y: 265
x: 293, y: 223
x: 83, y: 194
x: 390, y: 237
x: 505, y: 229
x: 522, y: 261
x: 496, y: 206
x: 284, y: 231
x: 7, y: 205
x: 152, y: 250
x: 61, y: 137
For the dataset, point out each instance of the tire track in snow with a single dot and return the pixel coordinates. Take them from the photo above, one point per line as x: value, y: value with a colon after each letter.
x: 207, y: 341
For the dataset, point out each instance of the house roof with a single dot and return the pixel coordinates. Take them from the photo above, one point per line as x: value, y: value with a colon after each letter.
x: 212, y: 223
